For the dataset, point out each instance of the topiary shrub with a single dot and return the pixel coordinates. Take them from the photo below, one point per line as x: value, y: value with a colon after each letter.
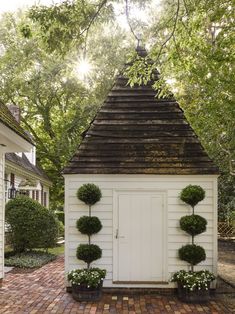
x: 193, y: 224
x: 89, y: 193
x: 88, y: 253
x: 192, y: 253
x: 89, y: 225
x: 30, y: 224
x: 192, y: 195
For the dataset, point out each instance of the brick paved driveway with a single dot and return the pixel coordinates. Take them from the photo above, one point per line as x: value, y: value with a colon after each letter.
x: 43, y: 291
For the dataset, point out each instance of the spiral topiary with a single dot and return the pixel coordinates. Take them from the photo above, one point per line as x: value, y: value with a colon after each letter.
x: 192, y: 253
x: 193, y: 224
x: 89, y: 193
x: 89, y: 225
x: 88, y: 253
x: 192, y: 195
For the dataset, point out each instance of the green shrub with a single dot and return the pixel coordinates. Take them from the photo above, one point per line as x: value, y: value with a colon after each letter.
x: 193, y: 224
x: 89, y: 225
x: 192, y: 194
x: 29, y: 259
x: 89, y: 193
x: 60, y: 216
x: 31, y: 225
x: 192, y: 253
x: 88, y: 252
x: 61, y: 229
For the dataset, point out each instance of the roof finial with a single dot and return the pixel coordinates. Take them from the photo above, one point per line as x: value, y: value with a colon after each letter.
x: 140, y: 49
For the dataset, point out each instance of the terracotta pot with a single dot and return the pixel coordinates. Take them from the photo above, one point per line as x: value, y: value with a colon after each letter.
x: 82, y: 293
x: 195, y: 296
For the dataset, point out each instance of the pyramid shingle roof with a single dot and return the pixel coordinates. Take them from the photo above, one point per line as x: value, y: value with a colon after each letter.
x: 136, y: 133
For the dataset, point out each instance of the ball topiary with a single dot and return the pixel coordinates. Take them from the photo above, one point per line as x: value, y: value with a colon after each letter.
x: 192, y: 254
x: 193, y: 224
x: 88, y: 252
x: 89, y: 225
x: 89, y: 193
x: 192, y: 194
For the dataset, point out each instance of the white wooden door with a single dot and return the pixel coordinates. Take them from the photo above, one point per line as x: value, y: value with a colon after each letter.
x: 140, y: 237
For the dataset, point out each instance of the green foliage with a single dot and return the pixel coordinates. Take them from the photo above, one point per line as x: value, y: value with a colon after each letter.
x: 32, y: 259
x: 198, y: 58
x: 31, y: 225
x: 88, y: 253
x: 90, y: 278
x: 89, y: 225
x: 226, y: 204
x: 26, y: 31
x: 192, y: 194
x: 60, y: 229
x: 89, y: 193
x: 76, y: 15
x: 56, y: 102
x: 192, y: 253
x: 193, y: 224
x: 60, y: 216
x: 140, y: 71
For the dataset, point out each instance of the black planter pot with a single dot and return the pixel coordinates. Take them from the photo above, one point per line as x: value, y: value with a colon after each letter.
x: 196, y: 296
x: 82, y: 293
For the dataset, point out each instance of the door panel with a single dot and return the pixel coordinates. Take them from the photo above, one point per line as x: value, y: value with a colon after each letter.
x: 140, y: 237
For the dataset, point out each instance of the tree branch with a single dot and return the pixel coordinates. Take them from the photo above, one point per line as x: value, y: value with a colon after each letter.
x: 173, y: 30
x: 129, y: 22
x: 100, y: 7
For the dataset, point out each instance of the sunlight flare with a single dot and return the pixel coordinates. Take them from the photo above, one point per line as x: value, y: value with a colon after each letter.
x: 83, y: 68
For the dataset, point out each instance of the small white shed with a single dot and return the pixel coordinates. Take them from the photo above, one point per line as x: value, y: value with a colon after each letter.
x: 141, y: 151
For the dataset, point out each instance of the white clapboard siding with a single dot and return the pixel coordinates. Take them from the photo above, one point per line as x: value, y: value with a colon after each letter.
x: 2, y: 197
x: 171, y: 186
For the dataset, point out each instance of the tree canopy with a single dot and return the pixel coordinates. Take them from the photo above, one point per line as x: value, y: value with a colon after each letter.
x: 190, y: 42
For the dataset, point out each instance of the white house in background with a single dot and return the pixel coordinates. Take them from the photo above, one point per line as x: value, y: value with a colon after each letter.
x: 22, y: 175
x: 141, y: 151
x: 12, y: 139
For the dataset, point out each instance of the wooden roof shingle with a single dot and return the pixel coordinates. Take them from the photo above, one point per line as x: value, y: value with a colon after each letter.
x: 24, y: 163
x: 136, y: 133
x: 8, y: 120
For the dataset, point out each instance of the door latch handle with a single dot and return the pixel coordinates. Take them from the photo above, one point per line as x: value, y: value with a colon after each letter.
x: 117, y: 236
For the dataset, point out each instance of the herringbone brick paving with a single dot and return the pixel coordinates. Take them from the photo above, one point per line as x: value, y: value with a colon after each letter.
x: 42, y: 291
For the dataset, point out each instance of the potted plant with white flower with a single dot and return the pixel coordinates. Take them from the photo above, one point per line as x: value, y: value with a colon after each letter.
x: 87, y: 282
x: 193, y: 286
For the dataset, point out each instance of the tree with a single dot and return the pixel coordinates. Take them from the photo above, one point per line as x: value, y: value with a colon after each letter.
x: 193, y: 47
x: 191, y: 43
x: 56, y: 105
